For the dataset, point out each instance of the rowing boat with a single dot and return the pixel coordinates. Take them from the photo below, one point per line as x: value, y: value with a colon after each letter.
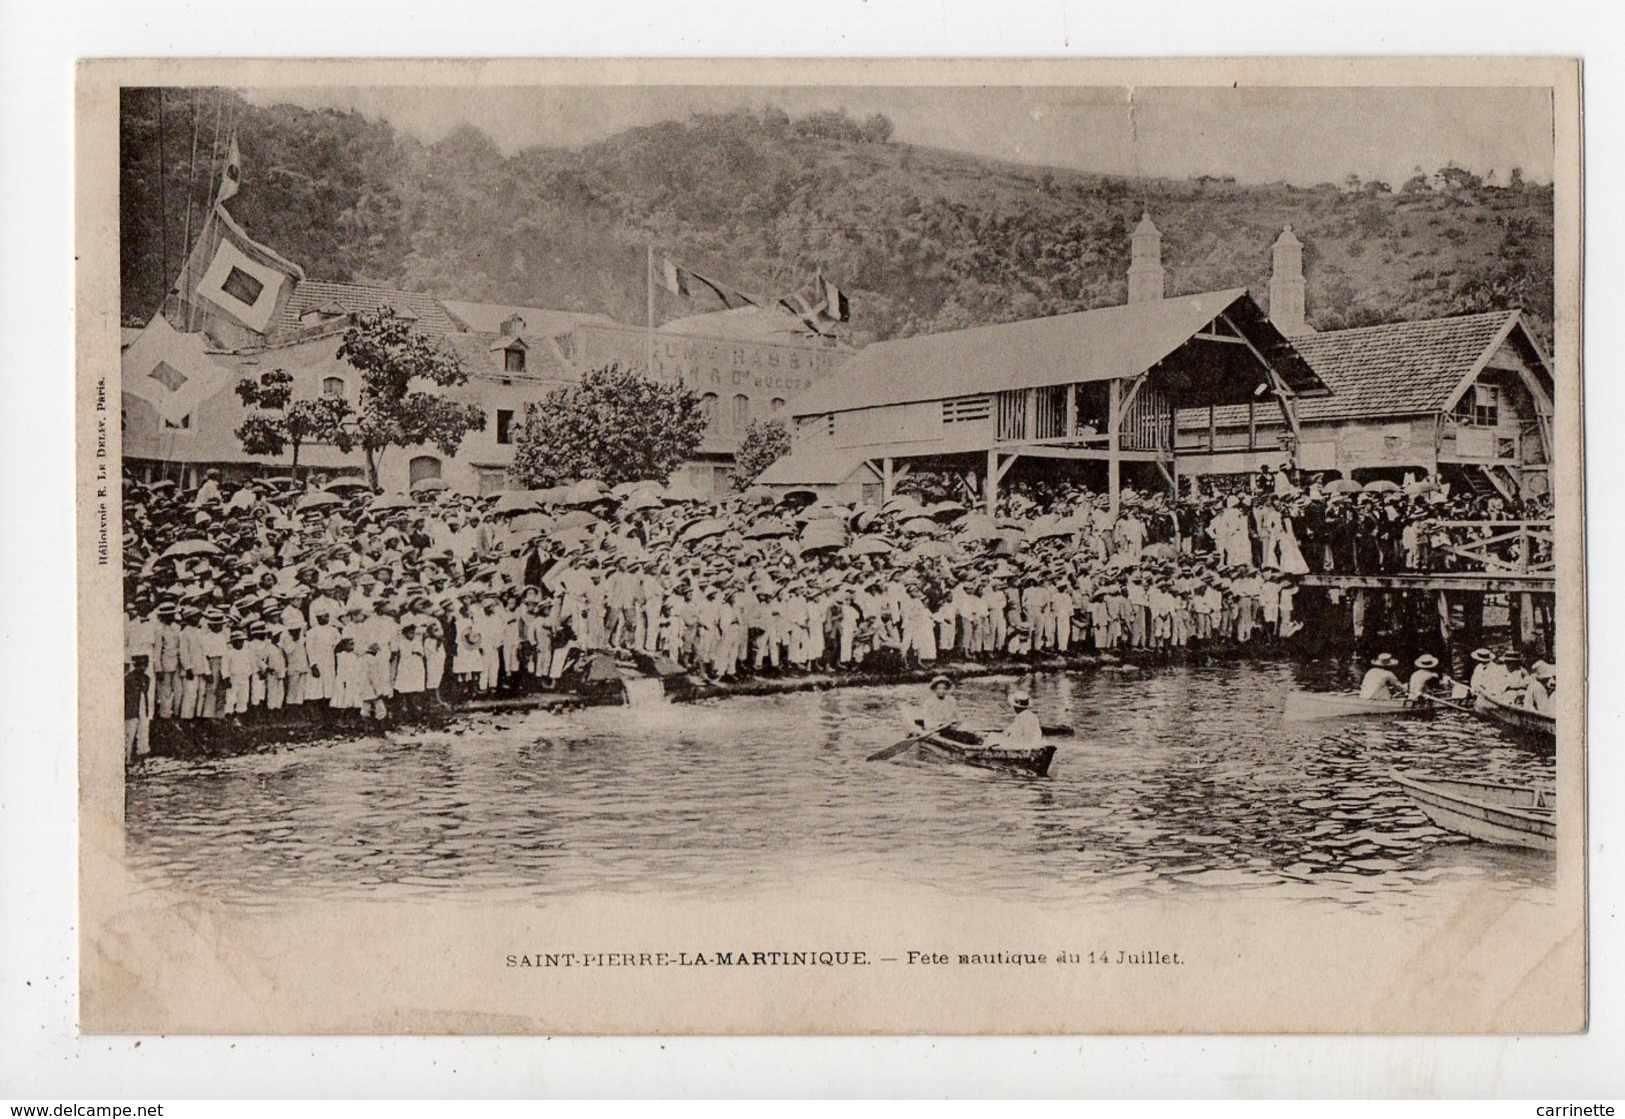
x: 1521, y: 719
x: 1510, y: 815
x: 1304, y: 706
x: 966, y: 747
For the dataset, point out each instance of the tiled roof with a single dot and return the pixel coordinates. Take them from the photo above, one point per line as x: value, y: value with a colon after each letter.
x: 1104, y: 344
x: 746, y: 324
x: 482, y: 354
x: 487, y: 318
x: 1395, y: 369
x: 311, y: 295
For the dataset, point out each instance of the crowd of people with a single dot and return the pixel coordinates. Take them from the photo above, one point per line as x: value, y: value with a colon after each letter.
x: 249, y: 598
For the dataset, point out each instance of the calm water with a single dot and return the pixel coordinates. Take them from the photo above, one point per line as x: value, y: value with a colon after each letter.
x: 1181, y: 779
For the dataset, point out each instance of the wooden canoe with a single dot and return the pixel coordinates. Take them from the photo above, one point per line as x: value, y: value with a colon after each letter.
x: 1510, y: 815
x: 1304, y: 706
x: 1522, y: 719
x: 967, y: 748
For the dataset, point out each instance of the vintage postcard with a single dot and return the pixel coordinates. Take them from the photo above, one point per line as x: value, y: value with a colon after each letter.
x: 831, y: 547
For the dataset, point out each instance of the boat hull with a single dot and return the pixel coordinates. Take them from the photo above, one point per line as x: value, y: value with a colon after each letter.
x: 967, y: 748
x: 1303, y: 707
x: 1508, y: 815
x: 1536, y: 724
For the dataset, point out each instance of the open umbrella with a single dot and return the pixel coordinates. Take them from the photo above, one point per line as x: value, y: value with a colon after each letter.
x: 761, y: 530
x: 683, y: 490
x: 823, y: 534
x: 625, y: 489
x: 389, y: 502
x: 921, y: 526
x: 759, y: 495
x: 945, y: 510
x: 316, y: 500
x: 530, y: 522
x: 571, y: 538
x: 340, y: 485
x: 430, y: 485
x: 641, y: 500
x: 869, y: 546
x: 1382, y: 485
x: 1046, y: 527
x: 513, y: 502
x: 589, y: 491
x: 932, y: 549
x: 703, y: 528
x: 191, y: 548
x: 576, y: 518
x: 1341, y: 485
x: 799, y: 494
x: 1417, y: 489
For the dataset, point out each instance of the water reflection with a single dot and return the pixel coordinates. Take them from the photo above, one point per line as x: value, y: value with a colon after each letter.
x: 1182, y: 779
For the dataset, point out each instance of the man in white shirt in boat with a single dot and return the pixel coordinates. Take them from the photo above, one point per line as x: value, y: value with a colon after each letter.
x: 1513, y: 680
x: 1024, y: 731
x: 1487, y: 676
x: 1541, y: 693
x: 940, y: 708
x: 1425, y: 677
x: 1380, y: 681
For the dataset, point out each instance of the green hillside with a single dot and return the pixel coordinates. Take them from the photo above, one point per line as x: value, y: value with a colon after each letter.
x: 921, y: 239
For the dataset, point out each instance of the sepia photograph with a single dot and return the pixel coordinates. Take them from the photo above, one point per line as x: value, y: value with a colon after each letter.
x: 815, y: 548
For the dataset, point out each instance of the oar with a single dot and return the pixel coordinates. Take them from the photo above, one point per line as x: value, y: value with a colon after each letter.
x: 898, y: 747
x: 1453, y: 706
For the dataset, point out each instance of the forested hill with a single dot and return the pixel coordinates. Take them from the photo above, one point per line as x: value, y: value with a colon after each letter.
x: 921, y: 239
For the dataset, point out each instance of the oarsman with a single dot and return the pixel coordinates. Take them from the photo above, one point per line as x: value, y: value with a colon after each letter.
x: 1024, y: 730
x: 1514, y: 678
x: 1541, y: 692
x: 1426, y: 678
x: 940, y: 707
x: 1380, y: 681
x: 1487, y: 675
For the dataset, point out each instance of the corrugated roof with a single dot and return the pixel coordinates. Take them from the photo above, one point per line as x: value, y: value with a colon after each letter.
x: 310, y: 295
x: 1394, y: 369
x: 817, y: 465
x: 1103, y: 344
x: 487, y: 318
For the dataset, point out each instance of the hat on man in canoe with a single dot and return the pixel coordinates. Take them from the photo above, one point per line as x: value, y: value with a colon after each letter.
x: 1020, y: 700
x: 1545, y: 671
x: 1512, y: 656
x: 939, y: 678
x: 1483, y: 656
x: 1384, y: 660
x: 1427, y: 660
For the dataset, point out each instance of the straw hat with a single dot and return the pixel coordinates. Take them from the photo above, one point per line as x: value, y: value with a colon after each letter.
x: 1383, y: 660
x: 1483, y: 656
x: 1427, y: 660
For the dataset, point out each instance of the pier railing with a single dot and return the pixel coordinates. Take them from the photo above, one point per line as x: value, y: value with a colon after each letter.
x: 1493, y: 547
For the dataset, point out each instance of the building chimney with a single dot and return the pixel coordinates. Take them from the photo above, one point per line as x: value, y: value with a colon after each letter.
x: 1286, y: 285
x: 1146, y: 279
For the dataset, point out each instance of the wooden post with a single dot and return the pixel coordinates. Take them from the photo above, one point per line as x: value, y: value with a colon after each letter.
x: 886, y: 478
x: 1212, y: 432
x: 1528, y: 629
x: 1071, y: 410
x: 1114, y: 444
x: 992, y: 488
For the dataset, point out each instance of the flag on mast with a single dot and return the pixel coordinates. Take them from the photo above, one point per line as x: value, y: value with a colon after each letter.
x: 231, y: 276
x: 686, y: 282
x: 836, y: 305
x: 231, y: 178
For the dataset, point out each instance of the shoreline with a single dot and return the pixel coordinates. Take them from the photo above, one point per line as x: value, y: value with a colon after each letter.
x: 206, y: 739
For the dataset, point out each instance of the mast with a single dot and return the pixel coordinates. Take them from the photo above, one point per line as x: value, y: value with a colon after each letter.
x: 649, y: 329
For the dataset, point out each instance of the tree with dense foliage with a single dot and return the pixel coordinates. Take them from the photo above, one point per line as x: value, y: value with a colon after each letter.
x: 923, y: 239
x: 616, y: 426
x: 392, y: 356
x: 763, y: 444
x: 279, y: 422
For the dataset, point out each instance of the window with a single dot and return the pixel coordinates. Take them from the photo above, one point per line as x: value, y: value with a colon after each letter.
x: 333, y: 386
x: 513, y: 360
x: 504, y: 426
x: 967, y: 409
x: 778, y: 405
x: 741, y: 414
x: 185, y: 424
x: 708, y: 409
x: 492, y: 481
x: 424, y: 467
x: 1479, y: 406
